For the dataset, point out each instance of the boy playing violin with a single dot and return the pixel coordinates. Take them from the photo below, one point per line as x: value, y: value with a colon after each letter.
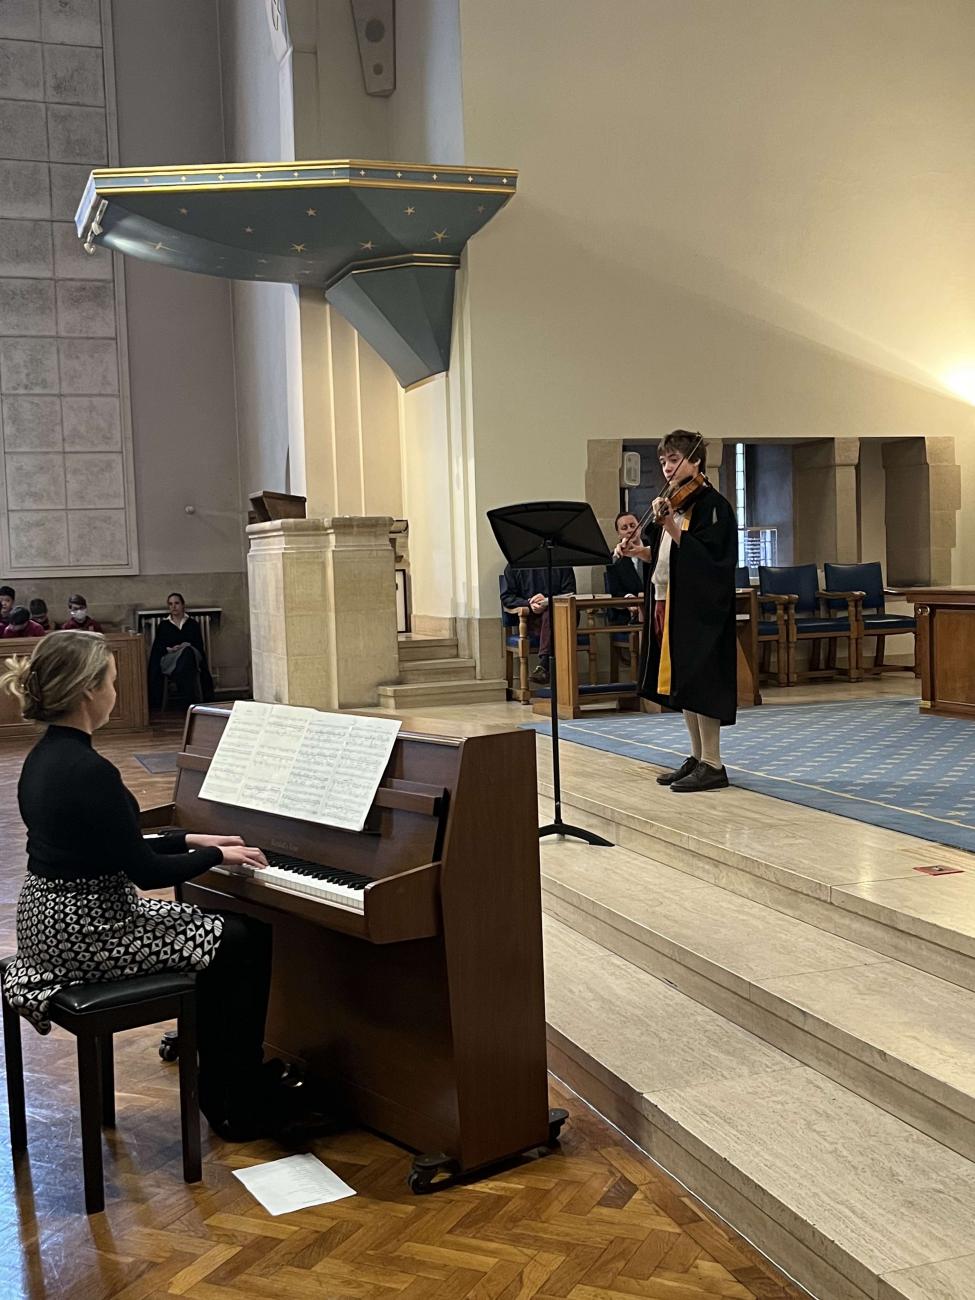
x: 689, y: 660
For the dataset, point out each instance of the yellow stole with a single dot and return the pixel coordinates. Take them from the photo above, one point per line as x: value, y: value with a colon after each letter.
x: 664, y: 671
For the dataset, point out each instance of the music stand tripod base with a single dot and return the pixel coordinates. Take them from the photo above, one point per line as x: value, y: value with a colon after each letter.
x: 543, y: 534
x: 575, y: 833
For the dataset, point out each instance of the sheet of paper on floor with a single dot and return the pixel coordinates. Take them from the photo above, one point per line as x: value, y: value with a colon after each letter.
x: 293, y: 1183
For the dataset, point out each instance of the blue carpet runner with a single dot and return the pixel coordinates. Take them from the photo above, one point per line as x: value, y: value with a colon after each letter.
x: 877, y: 761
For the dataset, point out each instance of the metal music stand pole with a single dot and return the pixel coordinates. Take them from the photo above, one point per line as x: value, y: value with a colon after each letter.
x: 526, y: 533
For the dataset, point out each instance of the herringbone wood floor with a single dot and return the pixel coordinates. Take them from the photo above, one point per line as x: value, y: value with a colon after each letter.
x: 596, y: 1219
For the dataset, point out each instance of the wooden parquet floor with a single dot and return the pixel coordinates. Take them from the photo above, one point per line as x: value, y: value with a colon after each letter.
x: 595, y: 1219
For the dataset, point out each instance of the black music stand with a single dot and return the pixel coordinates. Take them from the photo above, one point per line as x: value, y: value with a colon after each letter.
x: 543, y: 534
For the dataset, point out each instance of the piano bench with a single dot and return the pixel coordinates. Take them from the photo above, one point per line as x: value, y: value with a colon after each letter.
x: 94, y: 1013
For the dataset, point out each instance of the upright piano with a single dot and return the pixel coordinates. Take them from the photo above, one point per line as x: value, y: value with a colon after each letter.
x: 407, y: 974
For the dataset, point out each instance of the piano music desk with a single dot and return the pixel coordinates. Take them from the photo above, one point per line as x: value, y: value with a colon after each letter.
x: 422, y: 1014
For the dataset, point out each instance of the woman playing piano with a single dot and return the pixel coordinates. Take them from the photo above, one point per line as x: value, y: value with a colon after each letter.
x: 79, y: 915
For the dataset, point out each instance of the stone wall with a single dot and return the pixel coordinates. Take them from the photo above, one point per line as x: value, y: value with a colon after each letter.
x: 114, y: 600
x: 66, y: 494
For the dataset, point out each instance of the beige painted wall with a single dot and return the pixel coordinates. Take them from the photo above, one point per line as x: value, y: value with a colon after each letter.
x: 178, y: 323
x: 255, y: 59
x: 724, y: 221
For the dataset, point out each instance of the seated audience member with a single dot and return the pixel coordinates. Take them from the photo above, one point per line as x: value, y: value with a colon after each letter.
x: 625, y: 576
x: 526, y: 589
x: 80, y: 620
x: 7, y: 598
x: 38, y: 612
x: 20, y: 623
x: 177, y: 653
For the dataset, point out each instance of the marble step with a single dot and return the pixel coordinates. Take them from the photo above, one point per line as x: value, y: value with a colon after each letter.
x: 410, y: 696
x: 438, y: 670
x: 858, y: 881
x: 413, y: 647
x: 901, y: 1038
x: 847, y: 1199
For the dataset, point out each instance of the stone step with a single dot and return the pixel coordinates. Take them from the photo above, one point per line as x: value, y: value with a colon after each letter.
x: 856, y: 880
x: 411, y: 696
x: 899, y: 1037
x: 438, y: 670
x: 426, y: 647
x: 850, y: 1201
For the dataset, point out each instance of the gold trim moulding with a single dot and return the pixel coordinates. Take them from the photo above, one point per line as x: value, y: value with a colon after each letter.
x: 299, y: 164
x: 394, y: 263
x: 356, y: 182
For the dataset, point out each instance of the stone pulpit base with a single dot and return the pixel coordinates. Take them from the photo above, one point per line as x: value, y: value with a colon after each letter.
x: 323, y: 611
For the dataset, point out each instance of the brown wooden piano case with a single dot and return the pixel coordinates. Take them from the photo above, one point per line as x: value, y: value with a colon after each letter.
x: 423, y: 1014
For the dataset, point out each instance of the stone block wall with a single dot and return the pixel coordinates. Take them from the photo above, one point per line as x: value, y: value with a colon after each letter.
x: 66, y: 501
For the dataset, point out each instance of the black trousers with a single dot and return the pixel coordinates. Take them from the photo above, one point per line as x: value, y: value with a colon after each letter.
x: 231, y: 1000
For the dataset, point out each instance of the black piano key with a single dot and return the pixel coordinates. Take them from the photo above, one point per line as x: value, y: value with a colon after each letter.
x: 329, y: 875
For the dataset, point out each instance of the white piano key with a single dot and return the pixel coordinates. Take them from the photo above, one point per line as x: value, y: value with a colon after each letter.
x: 324, y: 891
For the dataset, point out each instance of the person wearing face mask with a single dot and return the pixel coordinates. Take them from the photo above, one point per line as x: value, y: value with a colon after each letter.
x: 38, y: 612
x: 21, y: 623
x: 79, y: 620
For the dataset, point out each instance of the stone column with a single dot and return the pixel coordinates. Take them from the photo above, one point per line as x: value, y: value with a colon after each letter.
x: 323, y: 611
x: 825, y: 496
x: 923, y: 496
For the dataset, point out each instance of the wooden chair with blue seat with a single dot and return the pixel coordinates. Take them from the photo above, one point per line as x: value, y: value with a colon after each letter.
x: 625, y: 641
x: 809, y: 618
x: 94, y: 1013
x: 875, y: 621
x: 520, y: 645
x: 772, y: 631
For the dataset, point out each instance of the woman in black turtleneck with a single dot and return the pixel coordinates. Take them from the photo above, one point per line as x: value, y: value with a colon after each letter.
x: 79, y: 916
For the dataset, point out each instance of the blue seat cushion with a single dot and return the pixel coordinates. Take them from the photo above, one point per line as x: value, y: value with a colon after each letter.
x: 513, y: 642
x: 809, y: 626
x: 889, y: 623
x: 587, y: 692
x: 768, y: 629
x: 621, y: 638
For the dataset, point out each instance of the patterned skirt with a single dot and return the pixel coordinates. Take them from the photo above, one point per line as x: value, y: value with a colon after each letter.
x: 89, y: 931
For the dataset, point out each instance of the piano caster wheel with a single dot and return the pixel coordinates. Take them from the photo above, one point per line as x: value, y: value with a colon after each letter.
x: 556, y: 1118
x: 430, y: 1173
x: 169, y: 1046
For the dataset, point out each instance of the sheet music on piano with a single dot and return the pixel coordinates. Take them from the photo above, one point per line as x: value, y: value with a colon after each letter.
x: 303, y: 763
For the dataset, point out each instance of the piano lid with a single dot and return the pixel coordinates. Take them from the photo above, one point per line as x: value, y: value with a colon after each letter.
x: 382, y: 240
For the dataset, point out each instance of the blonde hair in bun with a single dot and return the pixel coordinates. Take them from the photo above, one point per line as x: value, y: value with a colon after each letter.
x: 53, y: 680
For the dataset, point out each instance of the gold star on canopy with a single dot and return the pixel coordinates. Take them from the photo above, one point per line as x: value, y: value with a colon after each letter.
x: 470, y: 178
x: 298, y: 248
x: 184, y: 212
x: 248, y: 230
x: 311, y: 212
x: 439, y: 236
x: 409, y: 211
x: 367, y: 246
x: 480, y: 208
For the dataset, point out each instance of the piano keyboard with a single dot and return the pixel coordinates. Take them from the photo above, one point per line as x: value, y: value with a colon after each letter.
x: 327, y: 884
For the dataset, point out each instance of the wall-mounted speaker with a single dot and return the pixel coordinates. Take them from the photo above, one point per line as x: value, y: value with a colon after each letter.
x: 375, y: 31
x: 631, y: 469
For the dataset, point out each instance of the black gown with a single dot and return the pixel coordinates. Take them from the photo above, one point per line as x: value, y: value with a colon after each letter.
x: 192, y: 676
x: 701, y: 636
